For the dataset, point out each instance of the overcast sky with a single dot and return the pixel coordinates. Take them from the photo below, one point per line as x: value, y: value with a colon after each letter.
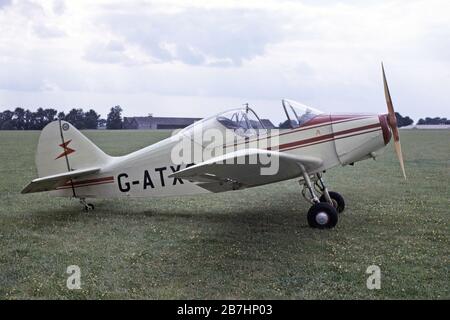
x: 196, y: 58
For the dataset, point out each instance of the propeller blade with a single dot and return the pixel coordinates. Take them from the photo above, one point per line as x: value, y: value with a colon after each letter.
x: 387, y: 93
x: 391, y: 113
x: 398, y: 151
x: 392, y: 120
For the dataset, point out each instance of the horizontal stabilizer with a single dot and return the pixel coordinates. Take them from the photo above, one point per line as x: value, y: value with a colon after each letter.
x: 52, y: 182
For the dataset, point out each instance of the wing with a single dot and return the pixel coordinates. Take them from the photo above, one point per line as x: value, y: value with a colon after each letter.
x: 237, y: 170
x: 52, y: 182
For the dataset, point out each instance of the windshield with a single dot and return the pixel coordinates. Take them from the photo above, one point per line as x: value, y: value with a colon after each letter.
x: 297, y: 114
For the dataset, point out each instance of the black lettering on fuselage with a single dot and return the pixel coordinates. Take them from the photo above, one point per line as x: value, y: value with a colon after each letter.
x: 126, y: 184
x: 160, y: 170
x: 147, y: 180
x: 176, y: 179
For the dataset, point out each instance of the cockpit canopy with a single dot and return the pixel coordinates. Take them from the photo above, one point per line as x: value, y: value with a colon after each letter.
x: 297, y: 114
x: 244, y: 122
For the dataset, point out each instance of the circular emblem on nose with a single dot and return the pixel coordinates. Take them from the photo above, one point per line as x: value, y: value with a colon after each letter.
x: 65, y: 126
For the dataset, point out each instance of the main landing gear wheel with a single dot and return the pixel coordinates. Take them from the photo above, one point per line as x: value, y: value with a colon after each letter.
x: 337, y: 199
x: 322, y: 216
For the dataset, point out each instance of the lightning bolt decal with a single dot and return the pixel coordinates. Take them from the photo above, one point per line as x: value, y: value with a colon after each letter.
x: 67, y: 150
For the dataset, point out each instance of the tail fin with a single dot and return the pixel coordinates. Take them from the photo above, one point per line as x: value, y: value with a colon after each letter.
x: 63, y: 148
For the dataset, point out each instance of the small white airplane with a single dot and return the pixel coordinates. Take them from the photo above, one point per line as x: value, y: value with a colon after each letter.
x: 70, y: 165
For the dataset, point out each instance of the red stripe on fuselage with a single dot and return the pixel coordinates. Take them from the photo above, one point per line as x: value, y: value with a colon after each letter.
x: 327, y: 136
x: 317, y: 122
x: 328, y: 140
x: 90, y: 181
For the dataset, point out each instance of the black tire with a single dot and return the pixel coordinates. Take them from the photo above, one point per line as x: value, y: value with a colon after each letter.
x: 338, y: 201
x: 89, y: 207
x: 322, y: 216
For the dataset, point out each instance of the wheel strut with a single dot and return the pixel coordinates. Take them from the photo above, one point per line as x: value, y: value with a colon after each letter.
x: 308, y: 185
x: 323, y: 188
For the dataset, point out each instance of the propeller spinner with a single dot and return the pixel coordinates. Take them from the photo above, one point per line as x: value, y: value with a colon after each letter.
x: 392, y: 121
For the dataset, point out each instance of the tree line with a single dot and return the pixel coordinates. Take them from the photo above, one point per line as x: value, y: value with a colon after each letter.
x: 21, y: 119
x: 436, y: 120
x: 403, y: 121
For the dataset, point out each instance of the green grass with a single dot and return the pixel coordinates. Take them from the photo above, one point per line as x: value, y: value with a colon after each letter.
x: 247, y: 244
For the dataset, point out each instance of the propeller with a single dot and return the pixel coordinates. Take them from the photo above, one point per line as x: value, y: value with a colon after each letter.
x: 392, y: 121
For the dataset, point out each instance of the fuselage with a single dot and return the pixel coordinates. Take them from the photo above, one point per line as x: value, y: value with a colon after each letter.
x: 336, y: 139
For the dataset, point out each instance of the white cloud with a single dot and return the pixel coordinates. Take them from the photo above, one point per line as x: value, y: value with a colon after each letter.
x: 46, y: 31
x: 4, y: 3
x: 59, y: 7
x: 197, y: 36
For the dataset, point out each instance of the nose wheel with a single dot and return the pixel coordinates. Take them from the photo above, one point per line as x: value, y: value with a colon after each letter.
x: 325, y: 210
x: 322, y: 216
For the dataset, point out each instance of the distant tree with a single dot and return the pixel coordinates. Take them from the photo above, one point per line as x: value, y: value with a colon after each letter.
x: 29, y: 120
x: 429, y: 120
x: 6, y: 121
x: 50, y: 115
x: 19, y: 119
x: 61, y: 115
x: 39, y: 119
x: 114, y: 119
x: 403, y: 121
x: 102, y: 123
x: 77, y: 118
x: 91, y: 119
x: 433, y: 121
x: 42, y: 117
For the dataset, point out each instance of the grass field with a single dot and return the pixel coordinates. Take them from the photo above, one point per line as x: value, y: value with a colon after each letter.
x: 246, y: 244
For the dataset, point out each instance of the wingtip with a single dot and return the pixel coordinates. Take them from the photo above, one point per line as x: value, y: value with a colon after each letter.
x: 25, y: 189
